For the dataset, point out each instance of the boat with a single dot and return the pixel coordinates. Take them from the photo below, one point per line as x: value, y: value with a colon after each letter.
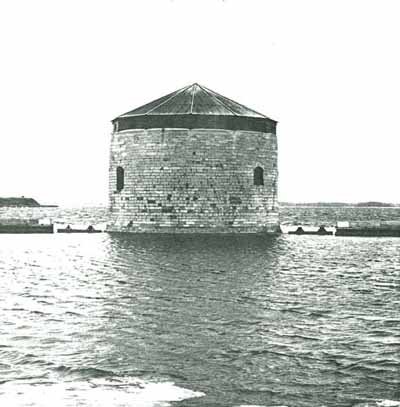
x: 320, y: 232
x: 69, y: 229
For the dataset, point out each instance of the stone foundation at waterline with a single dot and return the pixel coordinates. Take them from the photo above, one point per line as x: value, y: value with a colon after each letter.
x: 198, y: 180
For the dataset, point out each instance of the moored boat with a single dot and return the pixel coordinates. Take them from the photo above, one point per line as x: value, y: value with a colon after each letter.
x: 69, y: 229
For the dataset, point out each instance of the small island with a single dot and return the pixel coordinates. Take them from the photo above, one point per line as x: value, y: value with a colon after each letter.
x: 22, y: 202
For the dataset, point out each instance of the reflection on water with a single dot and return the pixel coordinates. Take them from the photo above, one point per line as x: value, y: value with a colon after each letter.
x: 230, y: 320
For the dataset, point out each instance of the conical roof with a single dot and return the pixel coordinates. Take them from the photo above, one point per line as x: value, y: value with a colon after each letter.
x: 194, y: 106
x: 194, y: 99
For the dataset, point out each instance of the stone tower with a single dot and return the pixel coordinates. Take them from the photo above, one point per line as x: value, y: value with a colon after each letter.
x: 196, y: 162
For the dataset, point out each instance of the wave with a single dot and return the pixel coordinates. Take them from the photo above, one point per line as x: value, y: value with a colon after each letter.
x: 83, y: 372
x: 253, y: 405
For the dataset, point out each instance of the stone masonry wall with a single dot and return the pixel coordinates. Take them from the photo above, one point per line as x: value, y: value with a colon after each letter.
x: 200, y: 180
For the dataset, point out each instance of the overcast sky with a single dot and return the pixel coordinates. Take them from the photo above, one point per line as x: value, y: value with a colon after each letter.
x: 328, y: 71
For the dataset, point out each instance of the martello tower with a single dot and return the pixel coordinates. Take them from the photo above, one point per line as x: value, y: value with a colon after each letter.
x: 193, y: 161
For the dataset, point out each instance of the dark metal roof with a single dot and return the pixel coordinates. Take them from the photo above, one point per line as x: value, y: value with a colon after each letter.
x: 192, y: 107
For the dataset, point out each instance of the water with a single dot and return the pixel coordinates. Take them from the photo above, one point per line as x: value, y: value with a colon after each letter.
x: 301, y: 215
x: 108, y: 320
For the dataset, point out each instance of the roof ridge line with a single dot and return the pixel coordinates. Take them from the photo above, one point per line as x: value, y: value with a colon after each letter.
x: 210, y: 93
x: 176, y: 93
x: 191, y: 106
x: 217, y: 95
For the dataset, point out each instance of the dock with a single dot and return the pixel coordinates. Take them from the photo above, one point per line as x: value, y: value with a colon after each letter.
x: 340, y: 229
x: 30, y: 226
x: 352, y: 229
x: 24, y: 226
x: 369, y: 228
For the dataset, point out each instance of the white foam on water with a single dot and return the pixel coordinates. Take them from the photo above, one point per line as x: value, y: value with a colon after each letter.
x: 122, y: 392
x: 387, y: 403
x: 379, y: 403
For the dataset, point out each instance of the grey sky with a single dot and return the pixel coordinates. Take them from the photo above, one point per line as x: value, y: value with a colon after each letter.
x: 328, y: 71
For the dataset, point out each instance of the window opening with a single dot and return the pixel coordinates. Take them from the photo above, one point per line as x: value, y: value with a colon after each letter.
x: 120, y: 179
x: 258, y: 176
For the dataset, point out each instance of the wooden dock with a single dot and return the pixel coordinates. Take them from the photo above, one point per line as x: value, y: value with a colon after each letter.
x: 353, y: 228
x: 28, y: 226
x: 24, y: 226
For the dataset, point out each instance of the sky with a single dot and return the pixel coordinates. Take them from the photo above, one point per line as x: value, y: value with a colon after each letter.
x: 327, y: 71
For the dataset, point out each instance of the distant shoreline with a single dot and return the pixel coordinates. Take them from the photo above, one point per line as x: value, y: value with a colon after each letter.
x: 371, y: 204
x: 22, y: 202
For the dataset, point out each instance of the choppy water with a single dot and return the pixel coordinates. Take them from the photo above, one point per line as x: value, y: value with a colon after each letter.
x: 106, y: 320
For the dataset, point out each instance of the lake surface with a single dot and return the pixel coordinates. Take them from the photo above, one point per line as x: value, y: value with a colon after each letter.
x: 114, y: 320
